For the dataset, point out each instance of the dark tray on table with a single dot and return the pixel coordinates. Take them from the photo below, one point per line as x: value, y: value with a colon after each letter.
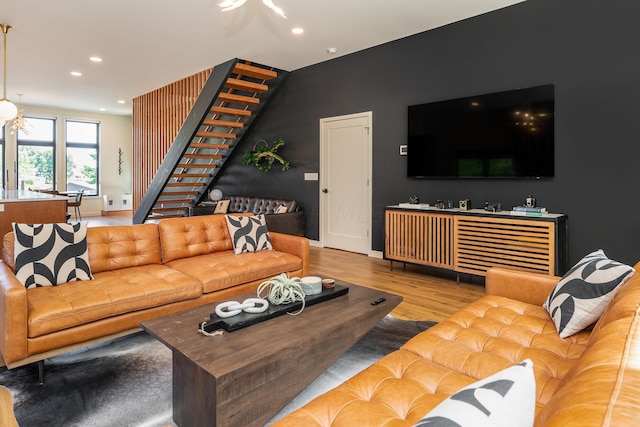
x: 243, y: 319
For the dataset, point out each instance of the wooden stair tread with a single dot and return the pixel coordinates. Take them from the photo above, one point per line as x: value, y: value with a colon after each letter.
x: 173, y: 201
x: 190, y: 175
x: 230, y: 111
x: 223, y: 135
x: 202, y: 156
x: 206, y: 146
x: 196, y: 166
x: 253, y: 71
x: 179, y: 193
x: 238, y: 99
x: 245, y: 85
x: 222, y: 123
x: 185, y: 184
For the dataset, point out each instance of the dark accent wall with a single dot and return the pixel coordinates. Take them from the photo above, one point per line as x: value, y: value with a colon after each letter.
x: 587, y: 48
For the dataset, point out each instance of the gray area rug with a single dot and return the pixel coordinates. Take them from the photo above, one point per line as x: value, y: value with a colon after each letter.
x: 127, y: 382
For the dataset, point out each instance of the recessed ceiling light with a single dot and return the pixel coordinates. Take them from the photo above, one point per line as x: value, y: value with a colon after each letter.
x: 297, y: 30
x: 332, y: 51
x: 95, y: 59
x: 102, y: 109
x: 121, y: 101
x: 76, y: 73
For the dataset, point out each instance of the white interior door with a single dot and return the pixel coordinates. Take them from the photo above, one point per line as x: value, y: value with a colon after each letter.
x: 345, y: 182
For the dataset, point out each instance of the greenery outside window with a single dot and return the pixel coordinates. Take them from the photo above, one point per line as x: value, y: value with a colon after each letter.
x: 36, y: 154
x: 82, y: 140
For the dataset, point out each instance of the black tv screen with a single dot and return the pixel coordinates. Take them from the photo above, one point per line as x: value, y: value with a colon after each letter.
x: 499, y: 135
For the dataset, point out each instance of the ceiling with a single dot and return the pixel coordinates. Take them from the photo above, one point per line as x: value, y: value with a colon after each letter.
x: 146, y: 44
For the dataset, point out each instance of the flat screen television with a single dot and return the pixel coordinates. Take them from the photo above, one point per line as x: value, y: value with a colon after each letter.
x: 499, y: 135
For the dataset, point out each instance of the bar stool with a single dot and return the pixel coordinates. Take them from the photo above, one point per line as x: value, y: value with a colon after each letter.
x: 77, y: 201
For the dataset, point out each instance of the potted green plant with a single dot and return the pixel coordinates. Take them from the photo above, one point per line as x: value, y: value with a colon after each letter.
x: 264, y: 157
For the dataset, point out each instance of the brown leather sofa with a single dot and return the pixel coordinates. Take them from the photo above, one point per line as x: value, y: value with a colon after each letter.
x: 140, y: 272
x: 589, y: 379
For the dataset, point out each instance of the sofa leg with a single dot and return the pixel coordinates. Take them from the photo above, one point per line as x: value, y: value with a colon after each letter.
x: 41, y: 372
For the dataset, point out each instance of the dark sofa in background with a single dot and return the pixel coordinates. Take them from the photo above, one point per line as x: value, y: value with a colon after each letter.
x: 290, y: 222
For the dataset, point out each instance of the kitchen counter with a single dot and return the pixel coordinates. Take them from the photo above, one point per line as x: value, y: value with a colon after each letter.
x: 30, y: 207
x: 8, y: 196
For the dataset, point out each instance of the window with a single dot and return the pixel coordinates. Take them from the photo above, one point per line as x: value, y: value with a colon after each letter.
x: 82, y: 156
x: 36, y: 154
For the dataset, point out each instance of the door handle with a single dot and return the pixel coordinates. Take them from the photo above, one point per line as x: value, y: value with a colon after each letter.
x: 325, y: 190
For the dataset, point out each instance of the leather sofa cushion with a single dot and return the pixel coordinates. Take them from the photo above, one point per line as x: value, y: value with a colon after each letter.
x: 487, y: 336
x: 198, y: 235
x: 602, y: 388
x: 115, y: 247
x: 495, y: 332
x: 111, y: 293
x: 591, y: 378
x: 110, y: 247
x: 223, y: 270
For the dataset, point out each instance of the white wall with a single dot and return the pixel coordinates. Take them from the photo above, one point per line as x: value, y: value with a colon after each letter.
x: 115, y: 133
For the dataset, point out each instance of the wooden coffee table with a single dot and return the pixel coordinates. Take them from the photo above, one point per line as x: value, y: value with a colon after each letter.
x: 244, y: 377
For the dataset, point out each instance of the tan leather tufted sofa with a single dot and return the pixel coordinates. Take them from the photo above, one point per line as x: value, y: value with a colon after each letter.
x: 589, y: 379
x: 140, y: 272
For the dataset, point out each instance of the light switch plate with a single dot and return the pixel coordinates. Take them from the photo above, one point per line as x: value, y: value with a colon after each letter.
x: 309, y: 176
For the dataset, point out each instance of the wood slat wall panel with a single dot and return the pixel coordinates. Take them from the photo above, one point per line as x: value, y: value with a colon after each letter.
x: 157, y: 118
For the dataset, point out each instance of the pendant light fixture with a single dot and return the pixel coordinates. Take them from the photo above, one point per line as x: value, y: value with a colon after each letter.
x: 19, y: 123
x: 7, y: 110
x: 227, y: 5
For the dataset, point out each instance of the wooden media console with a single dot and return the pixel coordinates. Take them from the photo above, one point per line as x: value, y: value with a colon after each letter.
x: 475, y: 240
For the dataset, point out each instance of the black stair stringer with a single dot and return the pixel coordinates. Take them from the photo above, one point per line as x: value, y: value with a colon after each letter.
x: 198, y: 113
x: 274, y: 85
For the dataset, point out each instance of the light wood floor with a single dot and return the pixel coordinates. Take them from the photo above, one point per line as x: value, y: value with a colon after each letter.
x: 428, y: 294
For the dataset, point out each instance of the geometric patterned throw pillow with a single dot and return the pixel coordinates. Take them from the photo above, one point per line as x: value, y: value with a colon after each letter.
x: 248, y: 233
x: 51, y: 254
x: 505, y: 399
x: 583, y: 293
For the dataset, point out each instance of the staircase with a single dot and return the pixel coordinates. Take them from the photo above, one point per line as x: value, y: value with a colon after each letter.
x: 233, y: 96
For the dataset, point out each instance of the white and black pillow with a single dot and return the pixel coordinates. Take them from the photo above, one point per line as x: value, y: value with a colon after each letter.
x: 505, y: 399
x: 281, y: 209
x: 221, y: 207
x: 248, y: 233
x: 51, y: 254
x: 583, y: 293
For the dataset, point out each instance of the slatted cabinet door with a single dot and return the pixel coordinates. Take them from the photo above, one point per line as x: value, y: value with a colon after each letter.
x: 419, y: 237
x: 481, y: 243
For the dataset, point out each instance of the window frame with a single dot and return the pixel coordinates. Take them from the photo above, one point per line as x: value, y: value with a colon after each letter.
x: 83, y: 145
x: 35, y: 143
